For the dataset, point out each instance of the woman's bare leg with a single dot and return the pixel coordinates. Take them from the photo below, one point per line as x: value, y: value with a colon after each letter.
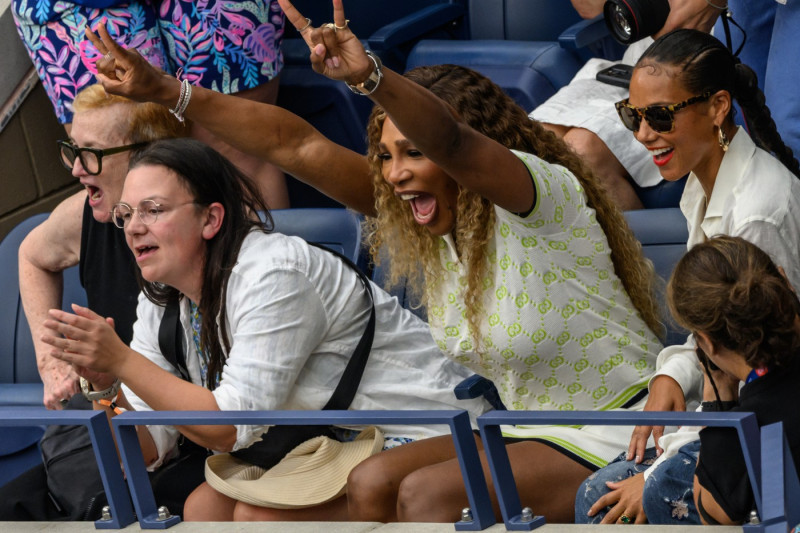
x: 547, y: 481
x: 332, y: 511
x: 270, y: 179
x: 372, y: 486
x: 605, y: 166
x: 205, y: 504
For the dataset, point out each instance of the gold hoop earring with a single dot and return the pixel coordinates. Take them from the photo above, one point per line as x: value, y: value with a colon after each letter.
x: 724, y: 142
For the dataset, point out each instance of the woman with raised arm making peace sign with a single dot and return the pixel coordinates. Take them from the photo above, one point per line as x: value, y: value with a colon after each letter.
x: 530, y: 275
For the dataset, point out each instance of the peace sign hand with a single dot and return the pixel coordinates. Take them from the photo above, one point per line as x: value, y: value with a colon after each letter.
x: 335, y: 50
x: 126, y: 73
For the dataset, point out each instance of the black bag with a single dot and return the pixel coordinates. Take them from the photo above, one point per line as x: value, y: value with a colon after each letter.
x: 73, y: 479
x: 280, y: 440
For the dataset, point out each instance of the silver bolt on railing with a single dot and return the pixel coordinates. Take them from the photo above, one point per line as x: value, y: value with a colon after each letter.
x: 105, y: 513
x: 526, y: 515
x: 466, y: 514
x: 754, y: 517
x: 163, y: 513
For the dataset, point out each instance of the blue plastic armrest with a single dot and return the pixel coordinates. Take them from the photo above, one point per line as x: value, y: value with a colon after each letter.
x: 584, y: 33
x: 413, y: 26
x: 476, y: 386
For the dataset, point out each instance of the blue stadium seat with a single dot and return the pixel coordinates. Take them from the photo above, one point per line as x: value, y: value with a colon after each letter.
x: 591, y: 38
x: 336, y: 228
x: 20, y: 385
x: 514, y: 43
x: 663, y: 234
x: 528, y: 71
x: 520, y: 20
x: 19, y: 378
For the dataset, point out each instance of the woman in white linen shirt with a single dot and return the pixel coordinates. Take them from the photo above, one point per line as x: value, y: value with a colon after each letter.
x: 681, y: 109
x: 277, y: 319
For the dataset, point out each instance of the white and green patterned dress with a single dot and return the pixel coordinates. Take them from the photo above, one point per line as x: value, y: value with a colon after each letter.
x: 560, y: 331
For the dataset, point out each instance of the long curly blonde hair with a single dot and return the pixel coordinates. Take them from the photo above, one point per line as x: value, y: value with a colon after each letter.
x: 413, y: 252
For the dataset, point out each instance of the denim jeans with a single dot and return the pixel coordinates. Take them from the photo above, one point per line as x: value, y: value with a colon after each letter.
x: 667, y: 497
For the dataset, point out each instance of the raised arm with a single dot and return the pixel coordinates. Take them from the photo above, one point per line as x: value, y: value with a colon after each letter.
x: 266, y: 131
x: 475, y: 161
x: 695, y: 14
x: 46, y: 252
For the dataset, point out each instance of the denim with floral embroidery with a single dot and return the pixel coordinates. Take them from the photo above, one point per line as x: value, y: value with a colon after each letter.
x: 667, y: 497
x: 225, y: 46
x: 595, y: 487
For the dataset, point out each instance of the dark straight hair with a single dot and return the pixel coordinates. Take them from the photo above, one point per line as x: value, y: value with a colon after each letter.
x: 210, y: 178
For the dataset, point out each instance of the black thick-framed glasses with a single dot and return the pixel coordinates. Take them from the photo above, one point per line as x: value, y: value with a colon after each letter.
x: 147, y: 211
x: 660, y: 118
x: 91, y: 158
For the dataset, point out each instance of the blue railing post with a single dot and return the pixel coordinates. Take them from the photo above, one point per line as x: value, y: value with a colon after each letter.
x: 503, y: 479
x: 96, y: 423
x: 457, y: 420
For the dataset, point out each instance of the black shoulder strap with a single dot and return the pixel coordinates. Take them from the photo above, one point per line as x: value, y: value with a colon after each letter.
x: 345, y: 391
x: 169, y: 337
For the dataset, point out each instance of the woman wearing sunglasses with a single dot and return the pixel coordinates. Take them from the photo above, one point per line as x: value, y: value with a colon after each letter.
x: 681, y: 109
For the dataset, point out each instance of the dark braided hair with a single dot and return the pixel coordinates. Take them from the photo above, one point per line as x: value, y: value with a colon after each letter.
x: 706, y: 65
x: 210, y: 178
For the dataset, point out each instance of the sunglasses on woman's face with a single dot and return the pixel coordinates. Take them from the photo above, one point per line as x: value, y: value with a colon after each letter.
x: 660, y: 118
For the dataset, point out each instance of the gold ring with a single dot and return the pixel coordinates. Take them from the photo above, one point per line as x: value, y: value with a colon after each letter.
x: 304, y: 28
x: 330, y: 25
x: 625, y: 519
x: 108, y: 56
x: 346, y: 22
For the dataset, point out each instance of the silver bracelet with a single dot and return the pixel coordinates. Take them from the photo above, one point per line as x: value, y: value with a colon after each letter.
x: 721, y: 8
x: 368, y: 86
x: 183, y: 100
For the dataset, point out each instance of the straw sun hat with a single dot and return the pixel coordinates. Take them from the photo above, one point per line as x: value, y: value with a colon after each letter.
x: 313, y: 473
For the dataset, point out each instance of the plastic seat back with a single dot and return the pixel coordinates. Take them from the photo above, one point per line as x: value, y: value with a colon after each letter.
x: 663, y: 234
x: 528, y: 71
x: 336, y: 228
x: 17, y: 356
x: 520, y: 20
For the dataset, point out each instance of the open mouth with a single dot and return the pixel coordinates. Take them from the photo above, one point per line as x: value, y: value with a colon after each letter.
x: 143, y: 252
x: 423, y: 206
x: 662, y: 156
x: 95, y: 194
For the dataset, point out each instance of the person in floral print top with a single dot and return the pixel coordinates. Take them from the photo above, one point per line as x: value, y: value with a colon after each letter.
x: 231, y: 47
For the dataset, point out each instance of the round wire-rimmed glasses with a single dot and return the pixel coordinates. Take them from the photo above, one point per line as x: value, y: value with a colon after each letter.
x: 147, y: 211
